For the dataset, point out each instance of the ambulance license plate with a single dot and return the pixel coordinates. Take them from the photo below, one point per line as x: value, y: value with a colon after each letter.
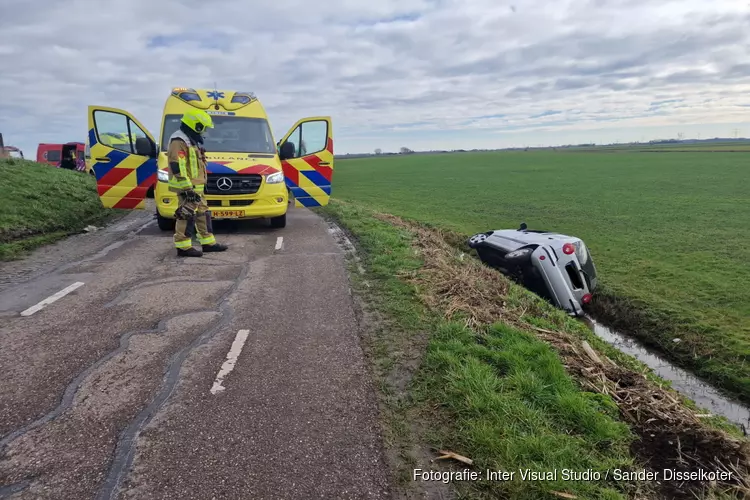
x: 227, y: 213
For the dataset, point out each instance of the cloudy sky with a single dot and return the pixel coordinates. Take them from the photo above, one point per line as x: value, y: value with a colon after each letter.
x: 417, y: 73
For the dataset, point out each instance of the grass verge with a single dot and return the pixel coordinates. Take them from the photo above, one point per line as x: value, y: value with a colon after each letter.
x: 45, y: 204
x: 504, y: 379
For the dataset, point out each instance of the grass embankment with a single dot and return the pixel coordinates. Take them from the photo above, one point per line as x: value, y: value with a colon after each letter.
x: 667, y: 232
x: 43, y: 204
x: 471, y: 363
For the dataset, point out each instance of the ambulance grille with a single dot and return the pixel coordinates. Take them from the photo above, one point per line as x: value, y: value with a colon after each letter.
x: 240, y: 183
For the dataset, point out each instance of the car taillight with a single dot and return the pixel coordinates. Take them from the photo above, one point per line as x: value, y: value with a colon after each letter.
x: 569, y: 249
x: 586, y: 298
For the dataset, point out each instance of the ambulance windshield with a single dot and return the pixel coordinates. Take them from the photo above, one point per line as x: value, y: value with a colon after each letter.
x: 231, y: 134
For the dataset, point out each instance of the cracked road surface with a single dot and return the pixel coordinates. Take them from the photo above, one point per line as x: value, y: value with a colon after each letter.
x: 107, y: 391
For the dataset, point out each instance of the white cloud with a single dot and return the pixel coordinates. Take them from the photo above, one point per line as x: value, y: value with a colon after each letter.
x: 388, y: 71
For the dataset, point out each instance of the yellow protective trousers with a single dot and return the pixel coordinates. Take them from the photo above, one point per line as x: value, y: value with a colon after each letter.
x: 181, y: 239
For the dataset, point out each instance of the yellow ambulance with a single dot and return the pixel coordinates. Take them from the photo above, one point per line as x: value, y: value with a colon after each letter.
x: 250, y: 175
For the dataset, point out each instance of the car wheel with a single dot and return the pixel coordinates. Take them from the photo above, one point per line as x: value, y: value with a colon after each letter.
x: 278, y: 222
x: 477, y: 240
x: 164, y: 223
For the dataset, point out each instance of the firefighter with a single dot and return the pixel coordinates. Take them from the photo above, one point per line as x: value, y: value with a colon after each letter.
x: 68, y: 163
x: 187, y: 177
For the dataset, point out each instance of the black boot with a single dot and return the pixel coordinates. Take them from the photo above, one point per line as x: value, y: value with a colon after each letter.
x: 189, y: 252
x: 216, y: 247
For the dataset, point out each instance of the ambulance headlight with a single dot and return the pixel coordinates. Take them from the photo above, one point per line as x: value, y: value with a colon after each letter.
x: 162, y: 175
x: 275, y: 178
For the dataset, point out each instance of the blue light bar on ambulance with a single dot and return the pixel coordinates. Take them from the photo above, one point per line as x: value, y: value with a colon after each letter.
x: 243, y: 97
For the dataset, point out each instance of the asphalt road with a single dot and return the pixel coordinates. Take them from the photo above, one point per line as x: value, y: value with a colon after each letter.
x: 237, y: 376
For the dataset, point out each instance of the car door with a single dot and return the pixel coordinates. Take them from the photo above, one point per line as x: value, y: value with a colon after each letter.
x: 309, y: 170
x: 124, y: 170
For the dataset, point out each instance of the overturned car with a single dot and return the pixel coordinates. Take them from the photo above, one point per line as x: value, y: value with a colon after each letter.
x: 557, y: 267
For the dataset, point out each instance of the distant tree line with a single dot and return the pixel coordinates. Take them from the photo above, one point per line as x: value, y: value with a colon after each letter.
x: 403, y: 151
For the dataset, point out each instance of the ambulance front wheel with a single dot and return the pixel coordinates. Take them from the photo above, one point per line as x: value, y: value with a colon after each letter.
x: 164, y: 223
x: 278, y: 222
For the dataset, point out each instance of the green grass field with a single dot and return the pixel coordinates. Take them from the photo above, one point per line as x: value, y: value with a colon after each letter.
x: 43, y: 205
x: 668, y: 232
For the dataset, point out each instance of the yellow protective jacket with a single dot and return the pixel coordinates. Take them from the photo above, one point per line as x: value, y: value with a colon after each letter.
x: 185, y: 157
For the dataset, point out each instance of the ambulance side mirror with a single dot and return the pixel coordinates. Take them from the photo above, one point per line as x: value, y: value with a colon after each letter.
x: 286, y: 151
x: 144, y: 147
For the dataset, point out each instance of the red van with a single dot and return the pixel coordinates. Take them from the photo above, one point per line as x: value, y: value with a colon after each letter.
x: 53, y: 154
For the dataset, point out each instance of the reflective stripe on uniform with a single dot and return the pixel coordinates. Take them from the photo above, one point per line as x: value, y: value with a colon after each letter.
x: 192, y: 150
x: 183, y: 243
x: 183, y: 164
x: 179, y: 184
x: 193, y: 163
x: 208, y: 240
x: 199, y: 188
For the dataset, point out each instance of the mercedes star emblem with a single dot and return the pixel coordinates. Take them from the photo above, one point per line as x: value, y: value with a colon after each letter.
x: 224, y: 183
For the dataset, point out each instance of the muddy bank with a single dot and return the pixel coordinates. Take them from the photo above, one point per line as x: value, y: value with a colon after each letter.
x: 657, y: 330
x: 702, y: 393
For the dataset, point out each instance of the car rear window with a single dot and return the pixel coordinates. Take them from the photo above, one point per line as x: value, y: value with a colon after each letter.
x: 574, y: 275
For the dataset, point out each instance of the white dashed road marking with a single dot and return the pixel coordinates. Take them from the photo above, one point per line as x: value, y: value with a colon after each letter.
x: 52, y: 298
x: 279, y: 242
x: 228, y: 366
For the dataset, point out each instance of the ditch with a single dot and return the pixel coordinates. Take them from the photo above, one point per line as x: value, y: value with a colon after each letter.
x: 702, y: 393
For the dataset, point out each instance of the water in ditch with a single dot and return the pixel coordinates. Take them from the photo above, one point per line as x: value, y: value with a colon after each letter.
x: 703, y: 394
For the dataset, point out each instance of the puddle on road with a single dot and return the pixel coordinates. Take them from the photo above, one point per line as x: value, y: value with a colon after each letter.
x: 703, y: 394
